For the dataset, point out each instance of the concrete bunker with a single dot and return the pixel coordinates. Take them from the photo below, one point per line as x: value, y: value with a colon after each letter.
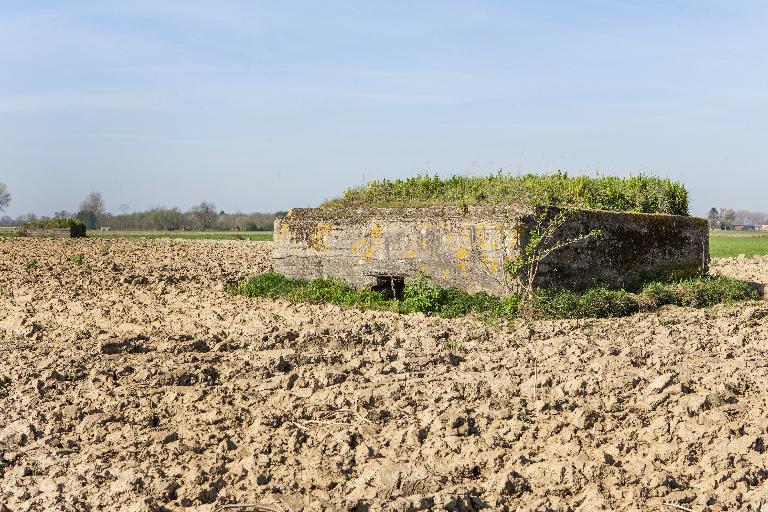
x: 54, y: 228
x: 466, y: 248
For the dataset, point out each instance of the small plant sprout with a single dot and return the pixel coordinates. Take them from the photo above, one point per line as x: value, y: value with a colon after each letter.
x: 77, y: 259
x: 31, y: 264
x: 541, y: 243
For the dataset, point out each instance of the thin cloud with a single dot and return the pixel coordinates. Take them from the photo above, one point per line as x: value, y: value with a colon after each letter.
x: 56, y: 101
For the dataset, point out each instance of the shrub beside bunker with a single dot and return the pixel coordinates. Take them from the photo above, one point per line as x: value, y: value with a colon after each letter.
x: 422, y: 296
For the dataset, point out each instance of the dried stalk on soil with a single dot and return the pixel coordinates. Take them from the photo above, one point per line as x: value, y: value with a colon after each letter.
x: 253, y: 507
x: 330, y: 414
x: 679, y: 507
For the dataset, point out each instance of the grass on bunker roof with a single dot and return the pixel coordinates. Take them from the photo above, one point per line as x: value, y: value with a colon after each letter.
x: 641, y: 193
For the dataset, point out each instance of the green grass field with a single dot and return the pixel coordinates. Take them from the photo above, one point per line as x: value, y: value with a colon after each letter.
x: 187, y: 235
x: 728, y: 244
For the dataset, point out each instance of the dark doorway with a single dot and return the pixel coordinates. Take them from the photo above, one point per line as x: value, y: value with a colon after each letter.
x: 391, y: 286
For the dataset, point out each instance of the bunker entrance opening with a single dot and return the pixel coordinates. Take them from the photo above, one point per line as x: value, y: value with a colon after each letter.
x: 391, y: 286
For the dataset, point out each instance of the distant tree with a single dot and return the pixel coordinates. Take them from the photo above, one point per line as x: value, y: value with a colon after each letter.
x: 164, y: 219
x: 727, y: 216
x: 21, y: 219
x: 93, y: 202
x: 124, y: 208
x: 749, y: 217
x: 280, y: 214
x: 5, y: 197
x: 206, y: 214
x: 249, y: 225
x: 714, y: 218
x: 88, y: 217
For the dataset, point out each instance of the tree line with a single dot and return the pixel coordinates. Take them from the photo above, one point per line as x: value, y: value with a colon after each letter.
x: 203, y: 216
x: 726, y: 217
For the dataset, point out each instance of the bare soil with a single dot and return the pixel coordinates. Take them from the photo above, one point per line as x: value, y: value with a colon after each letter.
x: 134, y: 382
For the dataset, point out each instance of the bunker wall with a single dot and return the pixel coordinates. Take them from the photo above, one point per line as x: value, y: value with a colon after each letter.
x: 50, y: 232
x: 467, y: 249
x: 630, y: 249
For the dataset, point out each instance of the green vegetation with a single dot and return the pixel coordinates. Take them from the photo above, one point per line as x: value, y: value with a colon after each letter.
x: 76, y: 226
x: 77, y: 260
x: 645, y: 194
x: 419, y: 295
x: 729, y: 244
x: 8, y: 233
x: 190, y: 235
x: 31, y: 264
x: 422, y: 296
x: 696, y: 293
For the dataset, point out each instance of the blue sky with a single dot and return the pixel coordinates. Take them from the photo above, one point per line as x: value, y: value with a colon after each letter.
x: 259, y: 106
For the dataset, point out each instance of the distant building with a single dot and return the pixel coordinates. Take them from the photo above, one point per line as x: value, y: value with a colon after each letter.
x: 744, y: 227
x: 762, y: 227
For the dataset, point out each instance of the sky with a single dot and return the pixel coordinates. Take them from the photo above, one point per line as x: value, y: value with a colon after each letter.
x: 267, y: 105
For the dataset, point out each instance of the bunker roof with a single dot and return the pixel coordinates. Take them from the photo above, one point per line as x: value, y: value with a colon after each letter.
x: 641, y: 193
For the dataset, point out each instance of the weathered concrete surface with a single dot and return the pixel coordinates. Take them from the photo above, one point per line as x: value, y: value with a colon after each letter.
x: 49, y: 232
x: 467, y: 249
x: 632, y: 248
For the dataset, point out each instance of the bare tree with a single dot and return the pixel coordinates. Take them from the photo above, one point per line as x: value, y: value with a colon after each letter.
x: 728, y: 216
x: 5, y: 197
x: 94, y: 203
x: 124, y: 208
x: 206, y: 214
x: 750, y: 218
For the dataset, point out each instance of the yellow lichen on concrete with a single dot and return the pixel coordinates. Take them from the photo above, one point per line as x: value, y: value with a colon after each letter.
x: 369, y: 243
x: 320, y: 237
x: 360, y: 246
x: 423, y: 227
x: 410, y: 253
x: 462, y: 253
x: 491, y: 264
x: 284, y: 231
